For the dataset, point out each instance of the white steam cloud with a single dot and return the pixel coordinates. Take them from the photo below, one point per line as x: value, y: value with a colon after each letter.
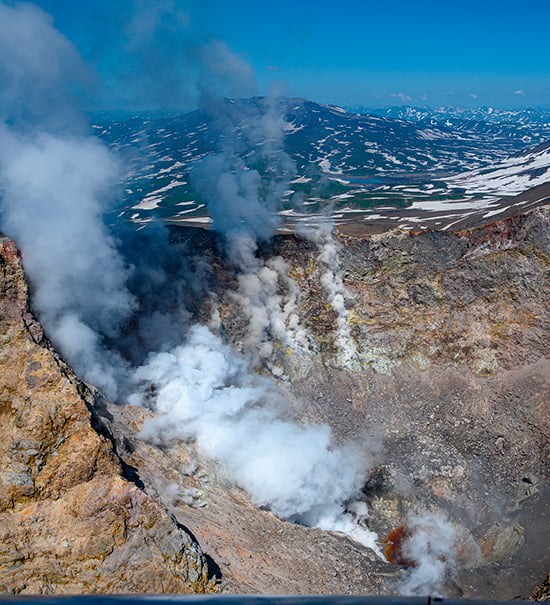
x: 56, y: 183
x: 271, y: 316
x: 205, y: 393
x: 431, y: 545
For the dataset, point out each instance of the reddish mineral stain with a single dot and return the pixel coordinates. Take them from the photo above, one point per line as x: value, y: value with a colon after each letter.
x: 393, y: 550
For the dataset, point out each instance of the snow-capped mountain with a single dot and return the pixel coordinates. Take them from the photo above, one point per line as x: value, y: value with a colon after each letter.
x: 336, y: 141
x: 358, y: 166
x: 511, y: 176
x: 357, y: 145
x: 528, y: 126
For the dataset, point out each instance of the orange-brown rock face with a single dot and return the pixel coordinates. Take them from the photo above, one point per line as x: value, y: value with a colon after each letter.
x: 69, y: 521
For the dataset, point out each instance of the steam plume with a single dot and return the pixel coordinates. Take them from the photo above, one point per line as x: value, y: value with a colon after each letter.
x: 334, y: 288
x: 205, y: 393
x: 244, y: 184
x: 56, y: 183
x: 431, y: 545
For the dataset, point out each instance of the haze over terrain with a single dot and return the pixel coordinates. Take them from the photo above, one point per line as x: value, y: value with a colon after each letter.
x: 288, y: 326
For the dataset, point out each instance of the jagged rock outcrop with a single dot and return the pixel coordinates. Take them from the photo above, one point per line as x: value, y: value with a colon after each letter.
x: 542, y: 592
x: 256, y: 552
x: 69, y: 520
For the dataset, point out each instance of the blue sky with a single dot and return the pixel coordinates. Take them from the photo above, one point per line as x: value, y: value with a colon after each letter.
x: 466, y: 52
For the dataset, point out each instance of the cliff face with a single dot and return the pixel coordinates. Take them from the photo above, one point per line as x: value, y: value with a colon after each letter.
x: 474, y: 299
x: 69, y: 520
x: 447, y: 393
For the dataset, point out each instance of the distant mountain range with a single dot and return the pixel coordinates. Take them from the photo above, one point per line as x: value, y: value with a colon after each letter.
x: 352, y: 163
x: 530, y: 126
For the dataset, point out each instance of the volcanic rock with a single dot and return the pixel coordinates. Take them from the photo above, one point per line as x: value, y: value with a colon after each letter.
x: 542, y: 592
x: 446, y: 395
x: 449, y: 387
x: 70, y: 522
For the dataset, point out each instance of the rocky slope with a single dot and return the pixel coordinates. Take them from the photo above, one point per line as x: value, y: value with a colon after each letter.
x: 448, y: 390
x: 70, y: 522
x: 446, y: 393
x: 256, y: 552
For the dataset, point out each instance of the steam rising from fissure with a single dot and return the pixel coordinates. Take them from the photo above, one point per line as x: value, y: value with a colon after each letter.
x: 335, y: 291
x: 117, y: 312
x: 56, y: 184
x: 205, y: 393
x: 431, y: 546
